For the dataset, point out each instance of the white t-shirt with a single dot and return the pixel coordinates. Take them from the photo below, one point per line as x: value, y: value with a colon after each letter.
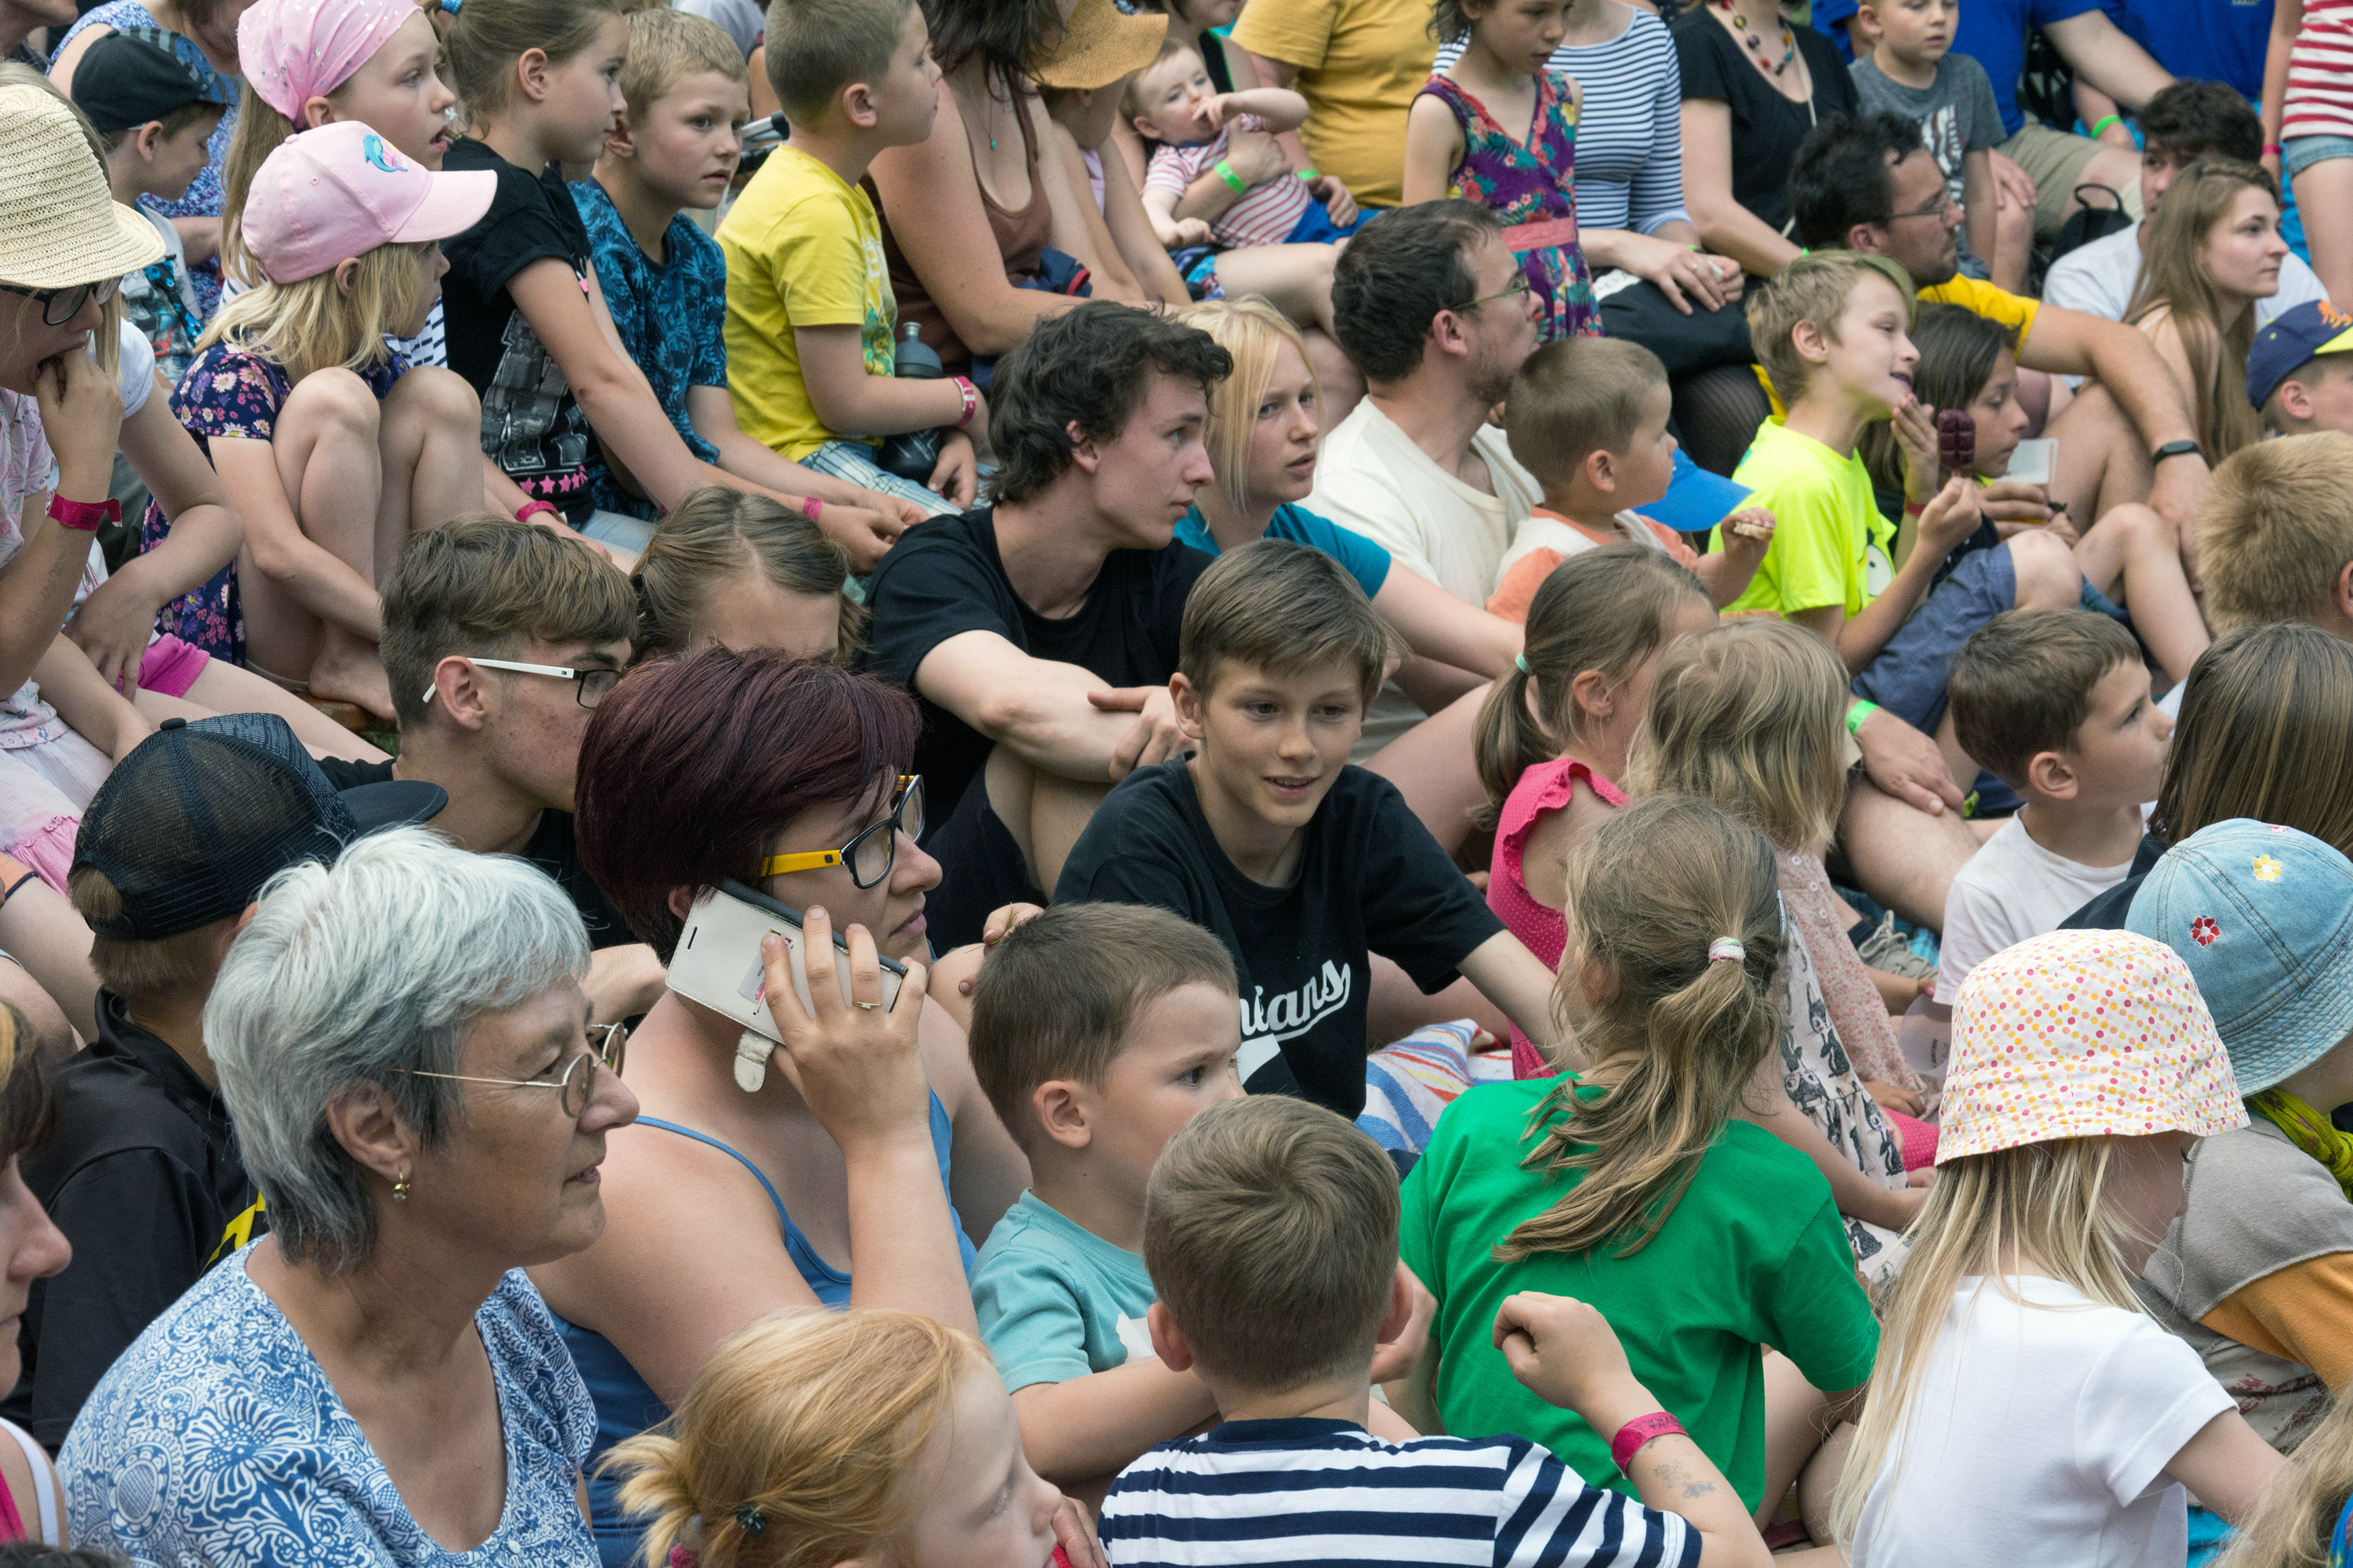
x: 1373, y: 478
x: 2040, y: 1434
x: 2097, y: 278
x: 2011, y: 890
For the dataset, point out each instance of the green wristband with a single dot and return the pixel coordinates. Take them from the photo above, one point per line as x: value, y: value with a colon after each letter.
x: 1307, y: 174
x: 1225, y: 173
x: 1857, y: 714
x: 2104, y: 123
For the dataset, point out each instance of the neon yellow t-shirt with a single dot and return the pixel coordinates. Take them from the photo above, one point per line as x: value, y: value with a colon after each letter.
x: 1830, y: 542
x: 803, y: 249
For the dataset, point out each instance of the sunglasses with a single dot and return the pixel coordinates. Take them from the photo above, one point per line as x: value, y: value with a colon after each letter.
x: 59, y: 306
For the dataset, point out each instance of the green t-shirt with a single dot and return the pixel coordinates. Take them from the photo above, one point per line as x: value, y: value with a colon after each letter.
x: 1754, y: 1254
x: 1830, y: 543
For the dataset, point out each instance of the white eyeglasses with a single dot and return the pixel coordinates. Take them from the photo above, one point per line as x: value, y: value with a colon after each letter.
x: 594, y: 683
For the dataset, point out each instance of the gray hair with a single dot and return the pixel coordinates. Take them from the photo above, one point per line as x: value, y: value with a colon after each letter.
x: 347, y: 975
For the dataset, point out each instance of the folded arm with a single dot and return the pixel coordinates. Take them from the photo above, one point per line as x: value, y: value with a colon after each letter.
x: 1043, y: 709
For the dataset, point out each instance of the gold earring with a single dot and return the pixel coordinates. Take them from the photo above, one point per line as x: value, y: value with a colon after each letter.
x: 400, y: 1192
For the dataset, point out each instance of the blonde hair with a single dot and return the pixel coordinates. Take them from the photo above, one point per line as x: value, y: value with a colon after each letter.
x: 260, y: 131
x: 2294, y: 1516
x: 106, y: 343
x: 2276, y: 530
x: 1815, y: 288
x: 665, y: 44
x: 2173, y: 276
x: 1747, y: 715
x: 717, y: 534
x: 1601, y: 610
x: 2038, y: 1205
x: 490, y: 35
x: 1253, y: 332
x: 1649, y: 892
x: 313, y: 325
x: 816, y: 1419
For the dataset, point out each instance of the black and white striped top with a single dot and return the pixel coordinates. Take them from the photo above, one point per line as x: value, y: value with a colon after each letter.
x: 1311, y: 1493
x: 1630, y: 146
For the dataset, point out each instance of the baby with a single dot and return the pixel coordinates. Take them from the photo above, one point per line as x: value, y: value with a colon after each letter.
x: 1173, y: 102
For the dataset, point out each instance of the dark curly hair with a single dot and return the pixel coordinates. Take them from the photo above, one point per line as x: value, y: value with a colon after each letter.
x: 1087, y: 367
x: 1395, y: 277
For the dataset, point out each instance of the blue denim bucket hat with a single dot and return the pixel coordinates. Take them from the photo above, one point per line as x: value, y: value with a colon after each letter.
x: 2263, y: 917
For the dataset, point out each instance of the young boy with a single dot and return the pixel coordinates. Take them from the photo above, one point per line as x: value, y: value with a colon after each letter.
x: 811, y: 321
x: 1270, y: 1231
x: 676, y: 146
x: 153, y: 116
x: 2055, y: 702
x: 1911, y: 71
x: 1832, y: 331
x: 2274, y: 536
x: 1173, y: 103
x: 2298, y: 373
x: 1588, y: 416
x: 1098, y: 1030
x: 1302, y: 865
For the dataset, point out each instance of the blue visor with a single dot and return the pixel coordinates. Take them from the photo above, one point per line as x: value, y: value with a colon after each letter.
x: 1697, y: 500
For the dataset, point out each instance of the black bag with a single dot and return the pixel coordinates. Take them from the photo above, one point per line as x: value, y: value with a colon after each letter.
x: 1641, y: 313
x: 2091, y: 222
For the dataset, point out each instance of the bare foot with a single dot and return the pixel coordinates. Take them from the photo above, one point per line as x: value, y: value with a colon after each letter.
x: 350, y: 670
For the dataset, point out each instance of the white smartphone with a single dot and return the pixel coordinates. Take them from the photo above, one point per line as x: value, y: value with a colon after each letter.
x: 2033, y: 462
x: 717, y: 961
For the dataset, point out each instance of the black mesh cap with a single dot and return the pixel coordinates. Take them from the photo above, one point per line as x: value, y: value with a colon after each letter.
x: 199, y: 816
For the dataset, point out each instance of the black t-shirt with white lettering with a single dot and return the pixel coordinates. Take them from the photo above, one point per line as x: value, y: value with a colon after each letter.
x: 944, y: 577
x: 1370, y: 878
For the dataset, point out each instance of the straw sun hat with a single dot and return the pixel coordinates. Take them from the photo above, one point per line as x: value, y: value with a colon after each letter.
x: 59, y: 225
x: 1099, y: 45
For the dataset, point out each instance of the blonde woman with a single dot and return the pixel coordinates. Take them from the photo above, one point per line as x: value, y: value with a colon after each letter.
x: 333, y: 448
x: 2211, y: 252
x: 743, y: 572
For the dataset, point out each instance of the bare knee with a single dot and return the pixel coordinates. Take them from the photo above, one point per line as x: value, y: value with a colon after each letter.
x: 333, y: 399
x: 2048, y: 578
x: 2118, y: 168
x: 437, y: 394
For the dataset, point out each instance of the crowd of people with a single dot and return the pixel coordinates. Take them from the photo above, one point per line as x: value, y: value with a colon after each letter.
x: 990, y: 782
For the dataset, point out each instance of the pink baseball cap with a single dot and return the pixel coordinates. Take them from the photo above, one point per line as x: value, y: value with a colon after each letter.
x: 295, y: 50
x: 340, y: 191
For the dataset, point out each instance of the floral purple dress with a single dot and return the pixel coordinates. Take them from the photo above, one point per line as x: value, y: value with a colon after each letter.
x: 1532, y: 186
x: 230, y: 391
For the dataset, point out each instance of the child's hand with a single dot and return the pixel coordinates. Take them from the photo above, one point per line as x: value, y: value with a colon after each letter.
x: 862, y: 533
x: 1895, y: 1097
x: 111, y: 627
x: 1338, y: 201
x: 1192, y: 231
x: 956, y: 477
x: 1950, y: 518
x: 81, y: 413
x: 908, y: 513
x: 1747, y: 534
x: 1562, y: 1350
x: 1220, y: 112
x: 1916, y: 433
x: 993, y: 931
x: 857, y: 1066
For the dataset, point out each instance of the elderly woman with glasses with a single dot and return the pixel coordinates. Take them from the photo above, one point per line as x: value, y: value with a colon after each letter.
x: 756, y: 1181
x: 402, y: 1043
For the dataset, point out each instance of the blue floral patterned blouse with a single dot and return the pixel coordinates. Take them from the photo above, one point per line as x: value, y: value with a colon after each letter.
x: 216, y: 1438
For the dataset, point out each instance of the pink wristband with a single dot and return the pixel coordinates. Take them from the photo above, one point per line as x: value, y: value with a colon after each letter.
x: 84, y: 516
x: 971, y: 401
x: 811, y: 507
x: 531, y: 509
x: 1632, y: 1436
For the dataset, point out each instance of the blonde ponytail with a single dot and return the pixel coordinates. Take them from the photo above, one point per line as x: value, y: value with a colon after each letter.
x: 1678, y: 905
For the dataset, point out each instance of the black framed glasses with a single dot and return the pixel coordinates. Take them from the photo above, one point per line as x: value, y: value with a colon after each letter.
x: 595, y: 685
x: 868, y: 855
x: 1937, y: 209
x: 580, y: 1074
x: 59, y: 306
x: 1518, y: 288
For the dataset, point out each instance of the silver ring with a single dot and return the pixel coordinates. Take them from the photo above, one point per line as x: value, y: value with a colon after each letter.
x: 870, y: 1007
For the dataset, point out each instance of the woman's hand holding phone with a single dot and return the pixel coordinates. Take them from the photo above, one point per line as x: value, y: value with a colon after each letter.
x: 855, y: 1062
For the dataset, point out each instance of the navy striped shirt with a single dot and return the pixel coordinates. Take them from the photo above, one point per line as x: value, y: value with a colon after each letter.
x: 1630, y: 138
x: 1311, y: 1493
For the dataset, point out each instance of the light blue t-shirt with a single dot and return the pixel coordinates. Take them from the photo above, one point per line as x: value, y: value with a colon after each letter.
x: 1057, y: 1302
x: 1367, y: 562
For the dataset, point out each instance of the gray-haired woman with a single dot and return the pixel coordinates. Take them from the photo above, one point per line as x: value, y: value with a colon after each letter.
x: 401, y: 1041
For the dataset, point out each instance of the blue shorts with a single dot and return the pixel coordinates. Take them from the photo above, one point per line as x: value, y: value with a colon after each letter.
x: 2299, y: 154
x: 1316, y: 228
x: 1908, y: 677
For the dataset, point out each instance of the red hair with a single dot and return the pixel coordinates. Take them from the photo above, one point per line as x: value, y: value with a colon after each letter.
x: 693, y: 765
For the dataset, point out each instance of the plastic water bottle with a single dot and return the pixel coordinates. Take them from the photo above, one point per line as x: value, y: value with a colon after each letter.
x: 914, y: 455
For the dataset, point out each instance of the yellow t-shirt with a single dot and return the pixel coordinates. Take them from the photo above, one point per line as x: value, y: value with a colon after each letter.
x: 1360, y: 63
x: 1830, y: 542
x: 803, y: 249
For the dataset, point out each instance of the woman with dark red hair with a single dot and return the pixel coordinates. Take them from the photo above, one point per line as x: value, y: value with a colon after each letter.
x: 830, y: 1182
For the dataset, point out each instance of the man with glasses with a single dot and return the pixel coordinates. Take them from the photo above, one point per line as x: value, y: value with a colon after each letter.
x: 500, y: 639
x: 143, y: 1174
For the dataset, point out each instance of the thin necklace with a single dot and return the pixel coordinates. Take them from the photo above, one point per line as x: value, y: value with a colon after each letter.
x: 1755, y: 45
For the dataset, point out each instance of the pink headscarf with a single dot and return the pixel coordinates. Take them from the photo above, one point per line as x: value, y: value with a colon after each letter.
x: 295, y: 50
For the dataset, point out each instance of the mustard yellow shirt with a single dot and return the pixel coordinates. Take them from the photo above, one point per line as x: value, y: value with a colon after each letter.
x: 1360, y: 62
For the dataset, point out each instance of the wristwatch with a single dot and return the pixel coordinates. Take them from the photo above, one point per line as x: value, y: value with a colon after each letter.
x: 2177, y: 449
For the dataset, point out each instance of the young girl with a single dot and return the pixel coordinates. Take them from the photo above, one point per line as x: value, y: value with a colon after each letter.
x: 816, y: 1437
x: 528, y: 325
x: 1553, y: 735
x: 1748, y: 716
x: 2306, y: 126
x: 740, y: 571
x: 332, y: 447
x: 1464, y: 138
x: 2131, y: 555
x: 2022, y: 1408
x: 2211, y: 252
x: 1636, y: 1183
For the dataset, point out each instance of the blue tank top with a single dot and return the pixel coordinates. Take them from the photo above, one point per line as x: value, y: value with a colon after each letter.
x: 627, y: 1405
